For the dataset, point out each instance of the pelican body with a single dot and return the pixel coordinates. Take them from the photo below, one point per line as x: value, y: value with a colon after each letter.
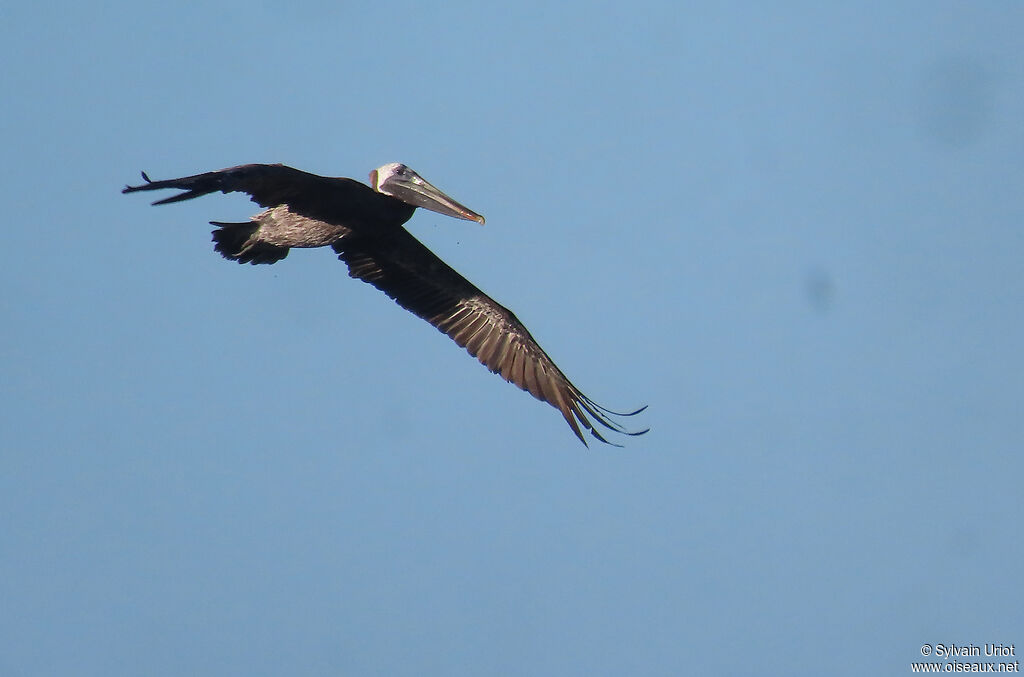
x: 364, y: 226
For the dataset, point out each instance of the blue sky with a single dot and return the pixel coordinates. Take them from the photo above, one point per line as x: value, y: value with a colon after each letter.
x: 794, y: 232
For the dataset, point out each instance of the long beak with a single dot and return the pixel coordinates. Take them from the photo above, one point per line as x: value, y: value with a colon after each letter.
x: 415, y: 190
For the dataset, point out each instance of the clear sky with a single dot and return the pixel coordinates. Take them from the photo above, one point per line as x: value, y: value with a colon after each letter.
x: 795, y: 232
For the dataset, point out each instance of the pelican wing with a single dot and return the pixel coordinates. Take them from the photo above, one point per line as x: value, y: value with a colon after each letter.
x: 334, y: 200
x: 403, y: 268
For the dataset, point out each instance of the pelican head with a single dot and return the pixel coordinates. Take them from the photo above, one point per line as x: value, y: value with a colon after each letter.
x: 400, y: 182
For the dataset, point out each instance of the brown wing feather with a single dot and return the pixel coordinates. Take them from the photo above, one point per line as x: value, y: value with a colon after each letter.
x: 403, y: 268
x: 334, y: 200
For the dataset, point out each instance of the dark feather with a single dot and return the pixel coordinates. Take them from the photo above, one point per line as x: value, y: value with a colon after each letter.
x: 404, y: 269
x: 238, y: 242
x: 335, y: 200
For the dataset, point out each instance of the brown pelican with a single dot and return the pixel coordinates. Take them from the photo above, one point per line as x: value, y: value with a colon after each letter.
x: 364, y: 226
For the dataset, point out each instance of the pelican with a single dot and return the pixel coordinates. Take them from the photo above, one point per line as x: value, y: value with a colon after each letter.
x: 363, y: 224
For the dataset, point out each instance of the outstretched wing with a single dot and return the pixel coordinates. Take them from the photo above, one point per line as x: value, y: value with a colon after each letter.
x: 334, y: 200
x: 404, y: 269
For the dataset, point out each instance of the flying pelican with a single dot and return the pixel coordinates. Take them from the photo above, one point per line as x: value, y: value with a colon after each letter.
x: 363, y: 224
